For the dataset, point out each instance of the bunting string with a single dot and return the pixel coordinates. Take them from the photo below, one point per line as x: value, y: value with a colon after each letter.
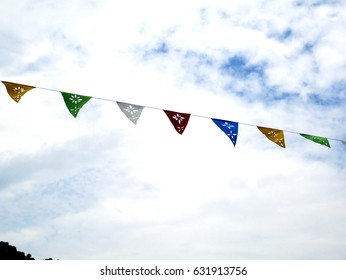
x: 75, y: 102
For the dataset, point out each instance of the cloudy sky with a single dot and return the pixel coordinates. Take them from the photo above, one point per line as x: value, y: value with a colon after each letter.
x: 99, y: 187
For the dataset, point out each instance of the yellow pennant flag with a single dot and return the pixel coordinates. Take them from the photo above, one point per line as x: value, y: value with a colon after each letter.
x: 275, y: 135
x: 16, y: 91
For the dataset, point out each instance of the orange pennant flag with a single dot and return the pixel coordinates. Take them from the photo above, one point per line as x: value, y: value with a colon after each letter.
x: 16, y: 91
x: 275, y: 135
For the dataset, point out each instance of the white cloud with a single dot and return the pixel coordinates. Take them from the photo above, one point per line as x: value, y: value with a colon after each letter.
x: 100, y: 187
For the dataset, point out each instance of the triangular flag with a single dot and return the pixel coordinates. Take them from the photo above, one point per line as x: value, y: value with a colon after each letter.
x: 16, y: 91
x: 320, y: 140
x: 275, y: 135
x: 229, y: 128
x: 132, y: 112
x: 74, y: 102
x: 179, y: 120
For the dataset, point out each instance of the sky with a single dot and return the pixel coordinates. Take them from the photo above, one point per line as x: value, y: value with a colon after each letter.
x: 100, y: 187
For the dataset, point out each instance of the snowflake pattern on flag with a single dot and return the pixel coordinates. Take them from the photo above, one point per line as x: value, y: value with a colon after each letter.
x: 75, y: 99
x: 132, y: 112
x: 19, y: 91
x: 229, y: 128
x: 74, y: 102
x: 16, y: 91
x: 178, y: 120
x: 274, y: 135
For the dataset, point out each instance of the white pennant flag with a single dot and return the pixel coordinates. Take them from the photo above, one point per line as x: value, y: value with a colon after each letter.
x: 132, y: 112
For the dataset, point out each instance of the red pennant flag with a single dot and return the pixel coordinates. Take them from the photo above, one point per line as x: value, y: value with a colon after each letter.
x: 179, y: 120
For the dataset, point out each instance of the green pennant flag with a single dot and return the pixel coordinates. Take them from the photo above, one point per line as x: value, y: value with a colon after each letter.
x: 74, y: 102
x: 320, y: 140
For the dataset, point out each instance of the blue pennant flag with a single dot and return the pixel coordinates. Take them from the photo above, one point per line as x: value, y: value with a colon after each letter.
x: 229, y: 128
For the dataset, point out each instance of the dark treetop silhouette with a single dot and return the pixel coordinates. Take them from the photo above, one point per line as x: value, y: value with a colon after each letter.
x: 9, y: 252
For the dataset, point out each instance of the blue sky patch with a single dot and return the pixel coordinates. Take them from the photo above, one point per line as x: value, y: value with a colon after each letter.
x: 339, y: 88
x: 283, y: 35
x: 286, y: 34
x: 325, y: 2
x: 308, y: 47
x: 316, y: 3
x: 161, y: 49
x: 285, y: 96
x: 272, y: 95
x: 199, y: 58
x: 238, y: 66
x: 318, y: 100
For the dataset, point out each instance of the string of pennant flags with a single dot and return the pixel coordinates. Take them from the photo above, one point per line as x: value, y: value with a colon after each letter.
x: 75, y: 102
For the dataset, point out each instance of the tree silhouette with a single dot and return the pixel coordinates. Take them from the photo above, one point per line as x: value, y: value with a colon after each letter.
x: 9, y: 252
